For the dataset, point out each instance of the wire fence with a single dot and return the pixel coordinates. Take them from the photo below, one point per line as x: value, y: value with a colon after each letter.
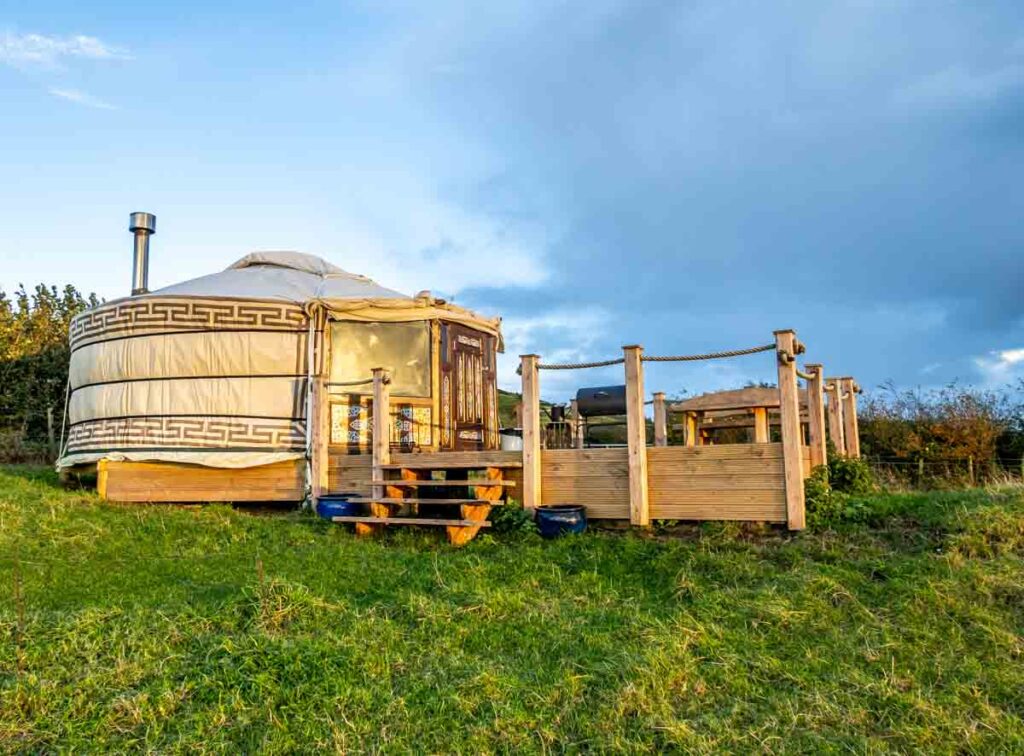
x: 30, y: 436
x: 946, y: 472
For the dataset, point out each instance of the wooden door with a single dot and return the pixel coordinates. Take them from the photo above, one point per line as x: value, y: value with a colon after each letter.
x: 472, y: 400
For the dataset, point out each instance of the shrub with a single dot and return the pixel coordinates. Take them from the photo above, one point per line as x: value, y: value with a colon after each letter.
x: 842, y: 498
x: 850, y: 476
x: 954, y: 435
x: 512, y: 518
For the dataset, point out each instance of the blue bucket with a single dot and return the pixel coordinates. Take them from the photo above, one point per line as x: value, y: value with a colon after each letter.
x: 338, y: 505
x: 558, y: 519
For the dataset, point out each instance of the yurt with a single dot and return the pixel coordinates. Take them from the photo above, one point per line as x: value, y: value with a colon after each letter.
x: 203, y: 390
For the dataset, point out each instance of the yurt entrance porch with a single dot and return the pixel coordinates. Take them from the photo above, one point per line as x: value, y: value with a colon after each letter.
x: 377, y: 439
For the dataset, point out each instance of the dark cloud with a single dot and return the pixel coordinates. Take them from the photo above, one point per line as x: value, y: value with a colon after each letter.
x: 719, y: 169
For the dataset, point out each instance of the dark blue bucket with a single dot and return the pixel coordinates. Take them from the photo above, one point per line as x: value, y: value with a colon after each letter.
x: 338, y: 505
x: 558, y: 519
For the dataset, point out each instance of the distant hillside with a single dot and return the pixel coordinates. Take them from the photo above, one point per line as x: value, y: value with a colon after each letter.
x: 507, y: 401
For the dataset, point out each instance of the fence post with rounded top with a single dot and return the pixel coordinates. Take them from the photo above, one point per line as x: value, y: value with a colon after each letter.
x: 816, y: 414
x: 789, y: 409
x: 660, y: 419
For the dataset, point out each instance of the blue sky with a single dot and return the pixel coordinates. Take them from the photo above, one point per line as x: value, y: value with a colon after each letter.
x: 689, y: 176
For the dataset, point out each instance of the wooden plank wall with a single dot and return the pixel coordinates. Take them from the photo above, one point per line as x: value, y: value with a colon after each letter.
x: 726, y: 482
x: 596, y: 478
x: 175, y: 482
x: 350, y: 473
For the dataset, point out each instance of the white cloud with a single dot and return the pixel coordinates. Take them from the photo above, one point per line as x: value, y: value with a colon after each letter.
x: 82, y: 98
x: 565, y: 336
x: 41, y: 51
x: 1001, y: 366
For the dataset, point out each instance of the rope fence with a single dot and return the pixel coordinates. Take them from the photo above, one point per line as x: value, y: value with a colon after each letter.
x: 709, y: 355
x: 658, y: 358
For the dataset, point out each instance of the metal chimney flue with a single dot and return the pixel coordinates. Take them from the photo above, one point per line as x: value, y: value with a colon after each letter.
x: 143, y: 225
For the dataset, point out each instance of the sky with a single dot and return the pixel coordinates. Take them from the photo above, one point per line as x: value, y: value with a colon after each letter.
x: 688, y: 176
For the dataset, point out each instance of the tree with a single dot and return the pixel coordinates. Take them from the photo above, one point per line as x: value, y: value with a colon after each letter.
x: 34, y: 357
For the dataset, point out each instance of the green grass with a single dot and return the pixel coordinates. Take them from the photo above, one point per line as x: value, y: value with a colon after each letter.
x: 173, y: 629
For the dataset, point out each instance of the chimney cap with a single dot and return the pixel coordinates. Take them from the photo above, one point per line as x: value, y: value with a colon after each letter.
x: 142, y: 222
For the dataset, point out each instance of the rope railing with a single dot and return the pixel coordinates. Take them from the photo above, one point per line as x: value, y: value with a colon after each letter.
x: 806, y: 376
x: 581, y: 365
x: 708, y: 355
x: 658, y: 358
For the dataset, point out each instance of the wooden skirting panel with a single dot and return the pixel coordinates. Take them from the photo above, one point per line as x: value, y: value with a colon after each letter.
x: 175, y: 482
x: 350, y: 473
x: 727, y: 482
x: 595, y: 478
x: 805, y: 455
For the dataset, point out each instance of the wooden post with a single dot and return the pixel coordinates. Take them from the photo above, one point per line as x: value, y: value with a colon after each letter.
x: 691, y: 429
x: 816, y: 414
x: 320, y: 416
x: 851, y: 434
x: 531, y: 431
x: 761, y: 431
x: 102, y: 475
x: 660, y: 419
x: 50, y: 432
x: 835, y: 415
x: 636, y: 436
x: 789, y: 410
x: 381, y: 427
x: 577, y: 424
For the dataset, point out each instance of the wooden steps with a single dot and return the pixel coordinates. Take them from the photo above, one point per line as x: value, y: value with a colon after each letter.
x: 396, y: 485
x: 415, y: 521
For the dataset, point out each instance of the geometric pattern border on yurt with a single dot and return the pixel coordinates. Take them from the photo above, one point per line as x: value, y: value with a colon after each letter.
x: 234, y: 433
x: 143, y: 317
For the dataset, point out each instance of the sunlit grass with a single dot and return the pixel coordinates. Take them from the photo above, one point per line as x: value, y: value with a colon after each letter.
x: 154, y: 627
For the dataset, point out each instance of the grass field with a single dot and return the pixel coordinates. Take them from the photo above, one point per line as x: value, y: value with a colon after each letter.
x: 134, y: 627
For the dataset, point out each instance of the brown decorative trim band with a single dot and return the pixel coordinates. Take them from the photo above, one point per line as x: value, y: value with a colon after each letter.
x: 151, y: 316
x: 171, y: 433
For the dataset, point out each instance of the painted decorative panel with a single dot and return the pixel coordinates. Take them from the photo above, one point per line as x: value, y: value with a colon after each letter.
x: 352, y: 423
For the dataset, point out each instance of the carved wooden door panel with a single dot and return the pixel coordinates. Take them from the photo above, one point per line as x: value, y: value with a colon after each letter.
x: 470, y: 394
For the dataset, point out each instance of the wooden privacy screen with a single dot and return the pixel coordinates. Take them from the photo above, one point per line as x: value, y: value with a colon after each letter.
x: 596, y: 478
x: 727, y: 482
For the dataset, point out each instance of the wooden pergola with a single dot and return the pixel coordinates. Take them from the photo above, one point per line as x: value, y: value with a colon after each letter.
x: 760, y: 407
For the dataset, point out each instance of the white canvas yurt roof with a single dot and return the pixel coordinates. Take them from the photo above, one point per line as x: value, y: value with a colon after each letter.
x: 215, y: 370
x: 289, y: 276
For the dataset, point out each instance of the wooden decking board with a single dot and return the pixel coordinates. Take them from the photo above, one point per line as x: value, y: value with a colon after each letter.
x: 388, y: 500
x: 454, y: 465
x: 460, y: 483
x: 414, y: 521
